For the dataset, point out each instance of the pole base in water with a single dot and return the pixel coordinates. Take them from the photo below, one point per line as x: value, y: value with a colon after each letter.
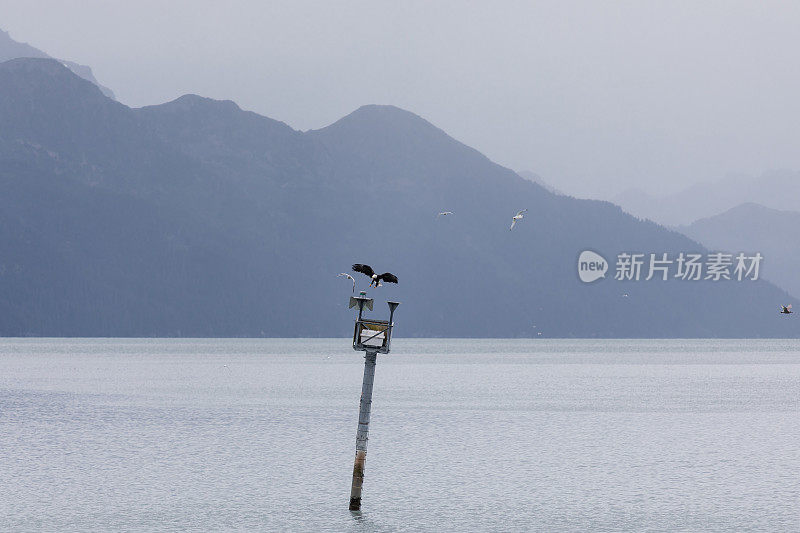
x: 358, y: 480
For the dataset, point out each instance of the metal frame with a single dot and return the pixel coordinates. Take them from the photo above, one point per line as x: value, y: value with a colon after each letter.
x: 379, y: 327
x: 386, y: 326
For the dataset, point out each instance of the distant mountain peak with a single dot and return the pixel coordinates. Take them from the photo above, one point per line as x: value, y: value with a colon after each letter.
x: 191, y: 111
x: 383, y: 118
x: 385, y: 110
x: 746, y: 209
x: 752, y: 227
x: 11, y: 49
x: 194, y: 101
x: 389, y: 129
x: 773, y: 189
x: 752, y: 206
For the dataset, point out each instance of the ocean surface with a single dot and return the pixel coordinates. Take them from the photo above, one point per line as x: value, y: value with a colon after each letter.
x: 466, y: 435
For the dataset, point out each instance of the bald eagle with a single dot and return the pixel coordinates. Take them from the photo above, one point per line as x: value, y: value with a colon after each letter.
x: 388, y: 277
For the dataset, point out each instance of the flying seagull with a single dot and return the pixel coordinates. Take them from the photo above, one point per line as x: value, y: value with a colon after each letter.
x: 444, y: 214
x: 786, y: 309
x: 388, y: 277
x: 351, y: 278
x: 516, y: 218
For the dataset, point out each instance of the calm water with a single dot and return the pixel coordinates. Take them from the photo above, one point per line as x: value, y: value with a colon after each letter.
x: 466, y: 435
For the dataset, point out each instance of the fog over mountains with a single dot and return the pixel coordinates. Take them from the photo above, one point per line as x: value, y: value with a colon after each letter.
x: 756, y: 228
x: 777, y: 189
x: 196, y: 218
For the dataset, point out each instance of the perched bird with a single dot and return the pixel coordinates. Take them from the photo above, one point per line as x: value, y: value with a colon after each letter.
x: 786, y: 309
x: 444, y: 214
x: 351, y: 278
x: 388, y: 277
x: 517, y: 217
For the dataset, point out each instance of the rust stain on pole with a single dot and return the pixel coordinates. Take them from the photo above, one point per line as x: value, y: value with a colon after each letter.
x: 358, y: 480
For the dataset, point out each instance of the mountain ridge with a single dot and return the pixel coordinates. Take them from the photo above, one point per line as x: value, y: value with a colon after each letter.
x: 146, y: 225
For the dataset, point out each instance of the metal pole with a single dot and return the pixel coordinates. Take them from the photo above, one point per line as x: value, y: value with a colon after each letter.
x: 363, y: 431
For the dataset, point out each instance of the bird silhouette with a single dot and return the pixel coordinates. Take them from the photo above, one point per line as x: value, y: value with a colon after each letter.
x: 388, y: 277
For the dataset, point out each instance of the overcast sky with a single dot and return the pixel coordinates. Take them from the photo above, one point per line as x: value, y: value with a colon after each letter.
x: 594, y: 96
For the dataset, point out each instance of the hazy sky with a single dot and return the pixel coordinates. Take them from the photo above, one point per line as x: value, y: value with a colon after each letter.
x: 594, y: 96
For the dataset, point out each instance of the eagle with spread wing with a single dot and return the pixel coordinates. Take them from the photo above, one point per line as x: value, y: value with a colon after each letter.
x: 388, y: 277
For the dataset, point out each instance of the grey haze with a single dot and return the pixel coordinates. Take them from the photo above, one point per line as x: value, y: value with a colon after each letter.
x: 595, y: 97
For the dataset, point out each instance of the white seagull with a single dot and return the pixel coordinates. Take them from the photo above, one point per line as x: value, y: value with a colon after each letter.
x: 516, y: 218
x: 351, y: 278
x: 444, y: 214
